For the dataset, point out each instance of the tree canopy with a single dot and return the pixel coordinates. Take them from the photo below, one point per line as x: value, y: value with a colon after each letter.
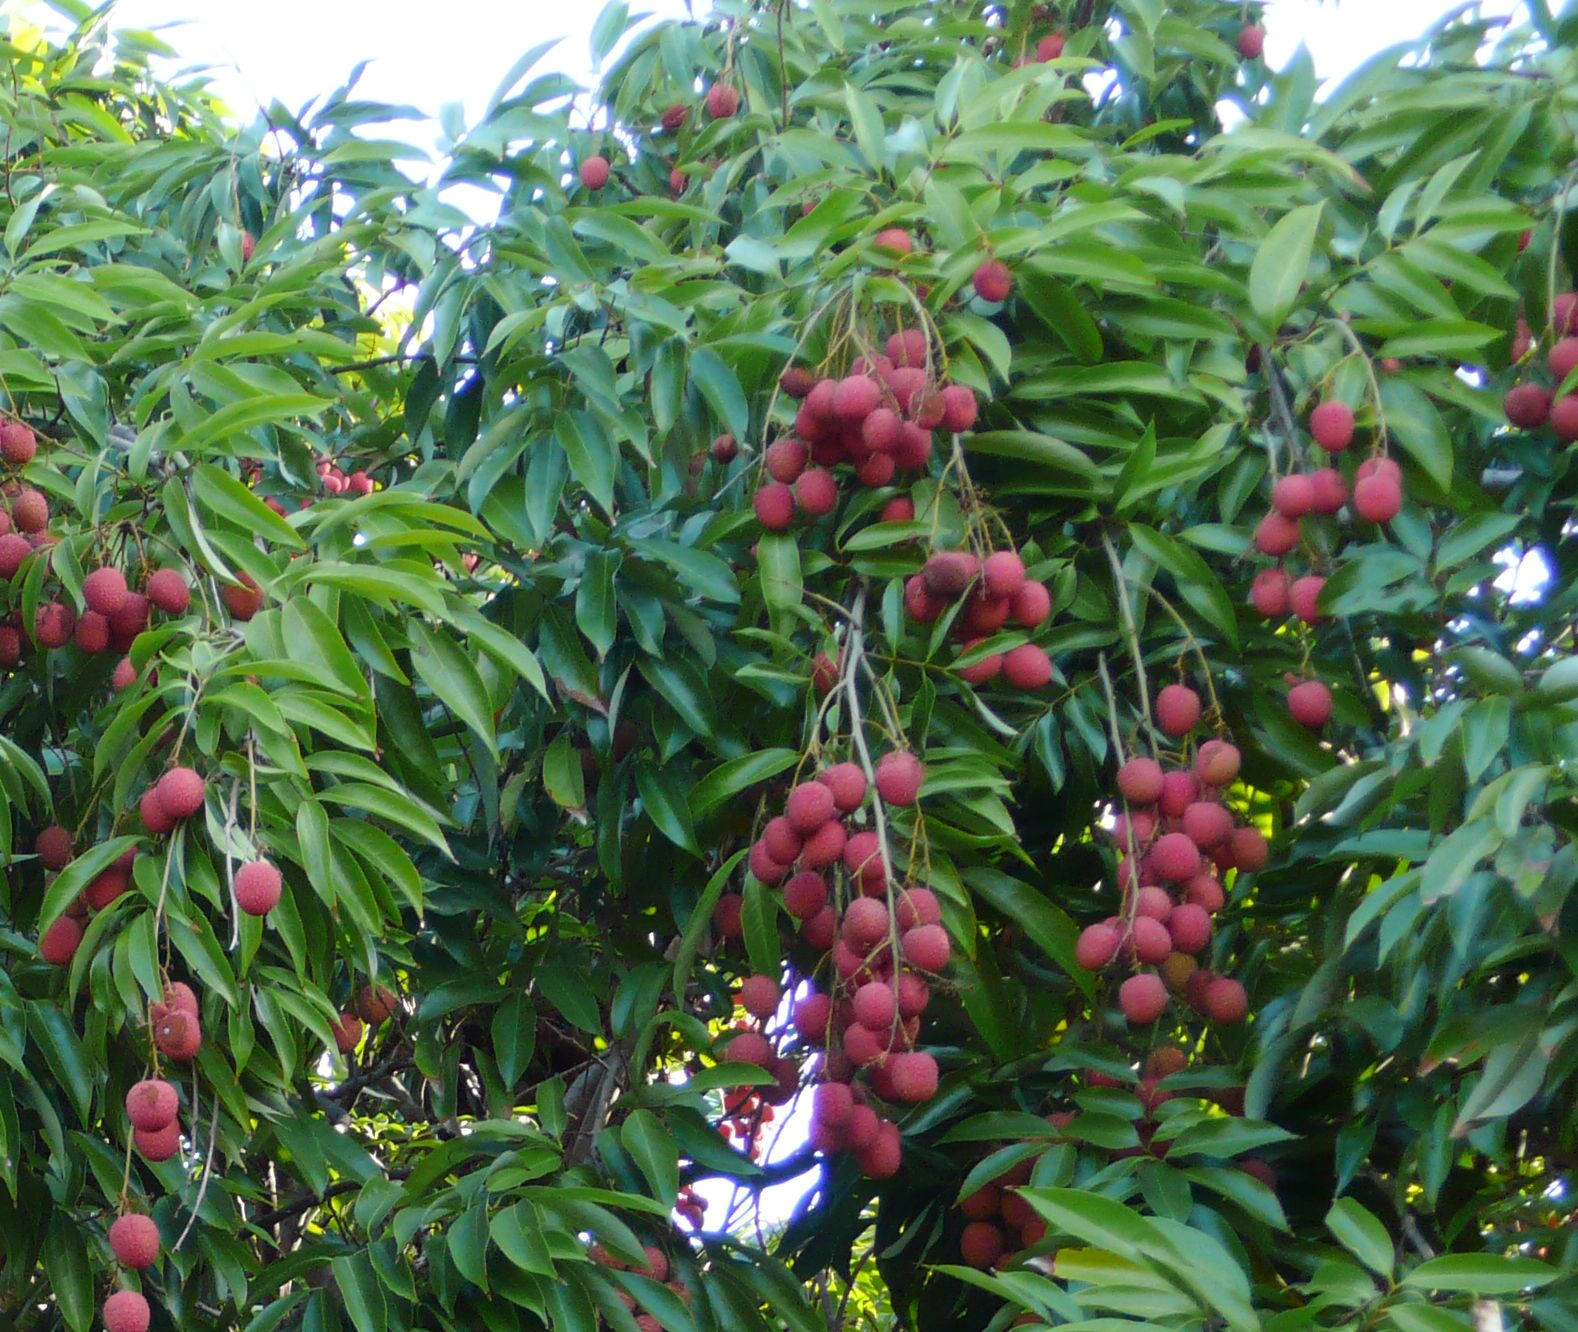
x: 994, y: 581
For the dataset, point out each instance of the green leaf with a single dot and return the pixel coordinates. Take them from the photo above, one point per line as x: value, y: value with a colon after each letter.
x: 654, y: 1151
x: 1481, y: 1274
x: 453, y: 678
x: 468, y: 1244
x: 362, y: 1291
x: 514, y: 1037
x: 719, y: 386
x: 1362, y: 1234
x: 225, y: 497
x: 663, y: 798
x: 562, y: 776
x: 70, y: 1277
x: 1071, y: 471
x: 1282, y: 263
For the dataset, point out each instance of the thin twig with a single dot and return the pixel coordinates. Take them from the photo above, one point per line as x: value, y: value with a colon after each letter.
x: 208, y: 1172
x: 1132, y: 634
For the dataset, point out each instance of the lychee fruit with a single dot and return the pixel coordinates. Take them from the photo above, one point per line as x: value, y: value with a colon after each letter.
x: 1177, y: 709
x: 774, y: 505
x: 1216, y: 762
x: 914, y: 1077
x: 926, y: 947
x: 59, y: 942
x: 1030, y: 604
x: 959, y: 409
x: 1140, y: 780
x: 992, y: 281
x: 1331, y: 424
x: 1268, y: 594
x: 53, y: 624
x: 723, y: 100
x: 1050, y: 47
x: 809, y: 806
x: 1527, y: 406
x: 105, y: 590
x: 848, y: 784
x: 151, y: 1104
x: 1293, y: 496
x: 92, y: 634
x: 899, y: 778
x: 1027, y: 667
x: 816, y: 492
x: 759, y: 996
x: 1276, y: 534
x: 158, y: 1144
x: 14, y: 548
x: 53, y: 847
x: 347, y: 1032
x: 895, y: 239
x: 1303, y: 596
x: 30, y: 512
x: 181, y: 792
x: 1377, y: 498
x: 866, y: 924
x: 155, y: 818
x: 1249, y: 849
x: 1142, y: 997
x: 177, y: 1033
x: 1564, y: 418
x: 764, y: 867
x: 134, y: 1239
x: 1175, y: 857
x: 1331, y: 491
x: 949, y: 573
x: 1225, y: 1000
x: 1251, y: 41
x: 169, y: 591
x: 594, y: 172
x: 126, y: 1311
x: 258, y: 886
x: 18, y: 444
x: 1310, y: 703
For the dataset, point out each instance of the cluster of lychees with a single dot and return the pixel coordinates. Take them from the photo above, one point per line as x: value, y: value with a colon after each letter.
x: 1377, y: 497
x: 656, y: 1268
x: 989, y: 593
x: 878, y: 420
x: 1530, y: 405
x: 372, y: 1006
x: 1175, y: 830
x: 881, y: 947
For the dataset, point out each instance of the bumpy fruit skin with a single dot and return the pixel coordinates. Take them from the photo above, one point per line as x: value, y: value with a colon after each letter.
x: 723, y: 100
x: 59, y: 943
x: 18, y: 444
x: 595, y: 172
x: 728, y: 915
x: 158, y: 1144
x: 155, y: 818
x: 899, y: 778
x: 866, y: 924
x: 1143, y: 998
x: 926, y: 948
x: 127, y: 1311
x: 1097, y: 946
x: 1564, y: 418
x: 1225, y: 1000
x: 1050, y: 47
x: 92, y: 634
x: 774, y: 505
x: 1030, y: 605
x: 1303, y: 597
x: 992, y: 281
x: 53, y: 847
x: 169, y: 591
x: 181, y: 792
x: 816, y: 492
x: 1140, y: 781
x: 885, y: 1153
x: 1310, y: 703
x: 244, y: 600
x: 258, y: 887
x: 178, y: 1035
x: 1251, y: 41
x: 1276, y: 534
x: 1331, y: 424
x: 134, y: 1238
x: 1177, y: 709
x: 914, y: 1077
x: 1027, y: 667
x: 949, y: 573
x: 1216, y: 763
x: 152, y: 1104
x: 1331, y: 491
x: 14, y: 548
x: 674, y: 116
x: 848, y: 784
x: 1293, y: 496
x: 805, y: 895
x: 895, y: 239
x: 809, y: 806
x: 1268, y: 594
x: 1377, y: 499
x: 959, y: 409
x: 1527, y: 406
x: 54, y: 624
x: 30, y: 512
x: 759, y: 996
x: 105, y: 590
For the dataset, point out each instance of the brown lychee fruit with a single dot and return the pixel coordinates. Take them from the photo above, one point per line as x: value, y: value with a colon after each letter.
x: 347, y: 1032
x: 949, y: 573
x: 674, y: 116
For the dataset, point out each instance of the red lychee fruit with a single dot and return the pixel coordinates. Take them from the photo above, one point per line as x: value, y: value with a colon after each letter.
x: 749, y: 1047
x: 53, y: 624
x: 1190, y: 927
x: 1216, y: 763
x: 1225, y: 1001
x: 169, y: 591
x: 876, y: 1005
x: 1378, y: 498
x: 243, y: 600
x: 881, y: 1158
x: 899, y: 509
x: 895, y: 239
x: 1268, y: 594
x: 594, y: 172
x: 126, y: 1311
x: 158, y: 1144
x: 30, y: 512
x: 92, y: 634
x: 14, y: 548
x: 134, y: 1239
x: 1276, y: 534
x: 1563, y: 359
x: 151, y: 1104
x: 1205, y: 892
x: 848, y: 784
x: 831, y: 1102
x: 105, y: 590
x: 674, y: 116
x: 1251, y: 41
x: 347, y: 1032
x: 1303, y: 596
x: 774, y: 505
x: 258, y: 886
x: 1002, y: 574
x: 759, y: 996
x: 805, y: 894
x: 181, y: 792
x: 1207, y: 824
x: 1331, y: 424
x: 863, y: 859
x: 825, y: 846
x: 949, y: 573
x: 914, y: 1077
x: 1030, y: 604
x: 918, y: 906
x: 18, y: 444
x: 1527, y: 406
x: 983, y: 1204
x: 155, y: 818
x: 811, y: 1016
x: 817, y: 492
x: 1142, y: 997
x: 809, y: 806
x: 764, y: 867
x: 825, y: 672
x: 926, y: 947
x: 960, y: 409
x: 1140, y: 780
x: 981, y: 1244
x: 728, y: 914
x: 178, y: 1034
x: 723, y: 100
x: 866, y: 924
x: 1148, y: 940
x: 881, y: 430
x: 59, y: 942
x: 780, y: 841
x: 1331, y: 491
x: 786, y: 458
x: 129, y: 621
x: 992, y: 281
x: 1153, y: 902
x: 1293, y: 496
x: 1564, y: 418
x: 1249, y: 849
x: 1177, y: 709
x: 1175, y: 857
x: 856, y: 397
x: 53, y: 847
x: 1050, y: 47
x: 1310, y: 703
x: 1027, y: 667
x: 899, y: 778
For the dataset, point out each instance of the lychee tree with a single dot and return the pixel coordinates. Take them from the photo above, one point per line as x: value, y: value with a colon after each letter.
x: 911, y: 584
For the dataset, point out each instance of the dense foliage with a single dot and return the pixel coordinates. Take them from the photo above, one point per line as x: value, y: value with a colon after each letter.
x: 423, y: 640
